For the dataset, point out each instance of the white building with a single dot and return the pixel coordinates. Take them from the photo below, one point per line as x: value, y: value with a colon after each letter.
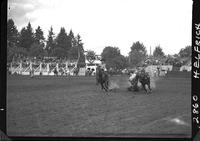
x: 94, y: 64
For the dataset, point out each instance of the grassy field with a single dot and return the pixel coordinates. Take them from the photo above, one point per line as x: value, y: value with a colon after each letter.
x: 75, y: 106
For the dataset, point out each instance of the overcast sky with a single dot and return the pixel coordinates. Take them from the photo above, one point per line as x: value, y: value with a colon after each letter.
x: 118, y: 23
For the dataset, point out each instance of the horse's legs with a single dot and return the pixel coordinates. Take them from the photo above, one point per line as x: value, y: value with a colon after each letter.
x: 105, y: 87
x: 143, y: 85
x: 149, y: 87
x: 106, y: 84
x: 102, y: 87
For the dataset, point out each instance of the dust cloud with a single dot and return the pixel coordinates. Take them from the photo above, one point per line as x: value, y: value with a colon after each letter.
x: 117, y: 84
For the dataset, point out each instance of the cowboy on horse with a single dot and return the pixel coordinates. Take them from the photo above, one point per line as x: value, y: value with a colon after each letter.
x: 102, y: 77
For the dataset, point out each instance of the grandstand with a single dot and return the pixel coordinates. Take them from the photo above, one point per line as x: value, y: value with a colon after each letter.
x: 42, y: 67
x: 47, y: 65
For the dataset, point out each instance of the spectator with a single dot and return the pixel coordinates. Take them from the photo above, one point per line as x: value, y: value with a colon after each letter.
x: 158, y: 70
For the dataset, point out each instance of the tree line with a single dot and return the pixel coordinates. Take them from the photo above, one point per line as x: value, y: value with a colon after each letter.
x: 31, y: 43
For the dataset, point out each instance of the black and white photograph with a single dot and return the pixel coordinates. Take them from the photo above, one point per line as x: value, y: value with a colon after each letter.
x: 99, y: 68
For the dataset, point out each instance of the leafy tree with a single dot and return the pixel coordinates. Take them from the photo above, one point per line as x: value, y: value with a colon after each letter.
x: 138, y: 54
x: 12, y: 40
x: 110, y: 52
x: 77, y: 51
x: 113, y: 58
x: 158, y: 52
x: 39, y: 37
x: 18, y: 43
x: 63, y: 42
x: 80, y: 50
x: 120, y: 62
x: 59, y: 52
x: 36, y: 50
x: 185, y: 52
x: 12, y: 33
x: 26, y: 38
x: 90, y: 56
x: 72, y: 39
x: 50, y: 42
x: 74, y: 53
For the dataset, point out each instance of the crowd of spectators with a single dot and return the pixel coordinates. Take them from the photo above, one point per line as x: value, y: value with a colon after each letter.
x: 27, y: 60
x: 24, y: 59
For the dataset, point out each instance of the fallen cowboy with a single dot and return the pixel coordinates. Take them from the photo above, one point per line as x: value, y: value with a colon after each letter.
x: 134, y: 82
x: 141, y: 77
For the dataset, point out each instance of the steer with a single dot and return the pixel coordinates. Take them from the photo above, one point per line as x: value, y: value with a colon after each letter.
x: 144, y: 79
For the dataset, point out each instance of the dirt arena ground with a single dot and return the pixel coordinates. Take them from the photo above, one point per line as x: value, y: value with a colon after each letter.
x: 75, y: 106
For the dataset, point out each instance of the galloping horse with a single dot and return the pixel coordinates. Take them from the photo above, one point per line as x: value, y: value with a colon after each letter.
x: 102, y: 78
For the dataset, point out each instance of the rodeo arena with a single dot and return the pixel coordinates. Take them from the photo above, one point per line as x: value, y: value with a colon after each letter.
x: 54, y: 97
x: 52, y: 66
